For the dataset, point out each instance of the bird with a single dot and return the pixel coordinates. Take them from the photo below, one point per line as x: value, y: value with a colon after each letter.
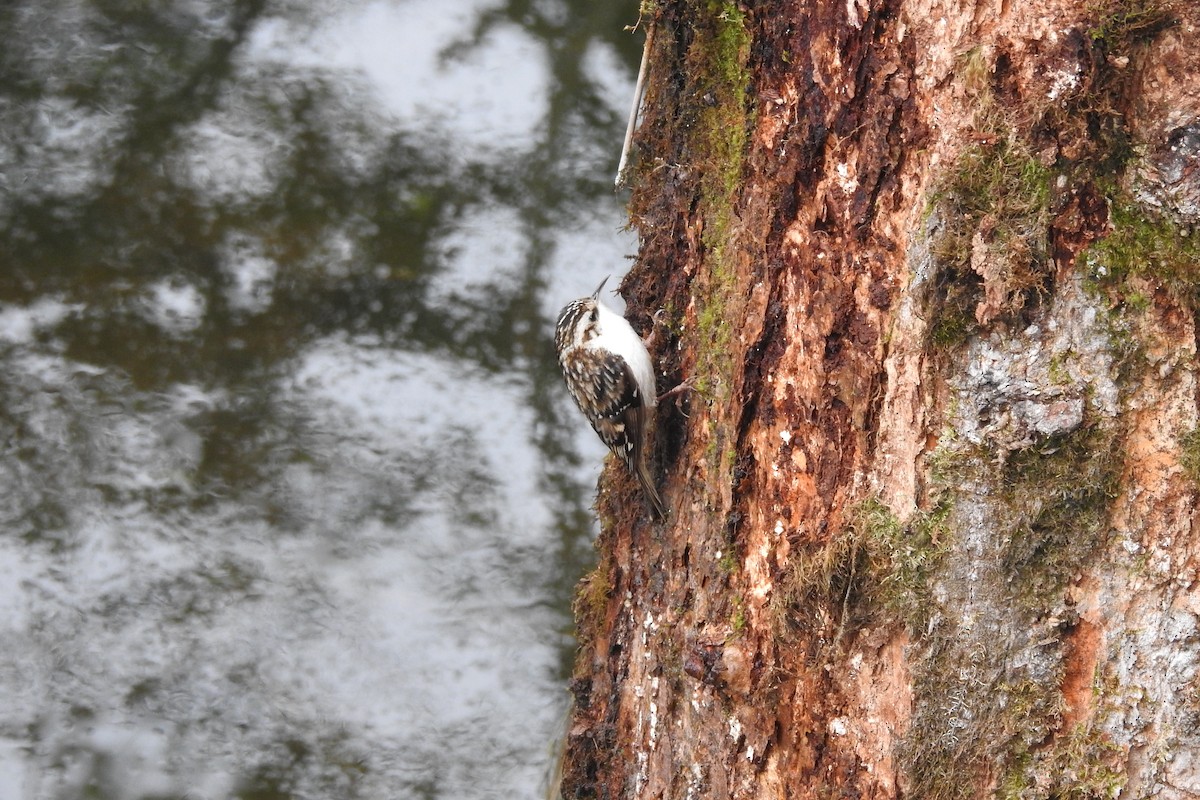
x: 609, y: 374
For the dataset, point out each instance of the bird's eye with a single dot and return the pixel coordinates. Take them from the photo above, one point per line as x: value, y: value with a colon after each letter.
x: 595, y: 314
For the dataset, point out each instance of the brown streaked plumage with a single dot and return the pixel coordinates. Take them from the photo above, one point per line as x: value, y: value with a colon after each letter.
x: 611, y: 378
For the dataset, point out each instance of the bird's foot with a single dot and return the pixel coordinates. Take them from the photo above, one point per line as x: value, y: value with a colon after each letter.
x: 686, y: 386
x: 656, y: 322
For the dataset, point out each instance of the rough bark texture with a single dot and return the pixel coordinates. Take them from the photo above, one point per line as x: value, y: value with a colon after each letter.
x: 932, y: 264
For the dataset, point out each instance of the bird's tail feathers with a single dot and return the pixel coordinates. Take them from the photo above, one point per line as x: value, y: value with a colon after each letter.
x: 647, y: 482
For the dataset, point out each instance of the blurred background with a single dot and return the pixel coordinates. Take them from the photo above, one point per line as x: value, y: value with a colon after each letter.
x: 294, y: 500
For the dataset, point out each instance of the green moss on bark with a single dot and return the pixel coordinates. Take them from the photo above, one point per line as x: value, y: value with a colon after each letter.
x: 995, y: 207
x: 1058, y: 493
x: 1142, y: 242
x: 876, y: 569
x: 716, y: 65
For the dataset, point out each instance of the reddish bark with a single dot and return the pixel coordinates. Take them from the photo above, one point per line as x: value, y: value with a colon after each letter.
x: 1047, y: 642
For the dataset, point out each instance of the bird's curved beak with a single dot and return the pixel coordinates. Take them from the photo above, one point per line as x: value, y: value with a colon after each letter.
x: 596, y: 294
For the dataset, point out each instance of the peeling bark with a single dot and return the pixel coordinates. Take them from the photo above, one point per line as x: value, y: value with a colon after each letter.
x: 932, y: 263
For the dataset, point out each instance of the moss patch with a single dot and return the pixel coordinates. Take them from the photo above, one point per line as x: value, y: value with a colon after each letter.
x: 592, y: 594
x: 716, y: 64
x: 716, y: 117
x: 1058, y: 493
x: 976, y: 694
x: 876, y: 569
x: 1090, y: 124
x: 1145, y: 243
x: 737, y: 617
x: 968, y: 708
x: 817, y: 580
x: 1122, y: 25
x: 902, y: 560
x: 1189, y: 456
x: 996, y: 203
x: 995, y: 211
x: 1082, y: 765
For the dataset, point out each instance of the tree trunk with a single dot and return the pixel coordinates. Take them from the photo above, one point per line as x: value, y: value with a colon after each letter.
x: 931, y: 265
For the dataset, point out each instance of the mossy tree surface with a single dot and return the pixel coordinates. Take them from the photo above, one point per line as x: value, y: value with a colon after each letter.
x: 932, y: 505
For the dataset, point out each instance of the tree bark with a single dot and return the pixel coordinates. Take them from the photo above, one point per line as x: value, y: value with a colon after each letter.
x: 932, y: 265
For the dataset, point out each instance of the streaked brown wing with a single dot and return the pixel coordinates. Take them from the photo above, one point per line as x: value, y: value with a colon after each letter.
x: 605, y: 390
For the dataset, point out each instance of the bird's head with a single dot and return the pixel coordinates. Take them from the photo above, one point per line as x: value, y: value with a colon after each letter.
x: 579, y: 321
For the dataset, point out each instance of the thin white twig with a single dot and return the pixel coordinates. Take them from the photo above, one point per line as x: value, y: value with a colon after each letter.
x: 638, y: 92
